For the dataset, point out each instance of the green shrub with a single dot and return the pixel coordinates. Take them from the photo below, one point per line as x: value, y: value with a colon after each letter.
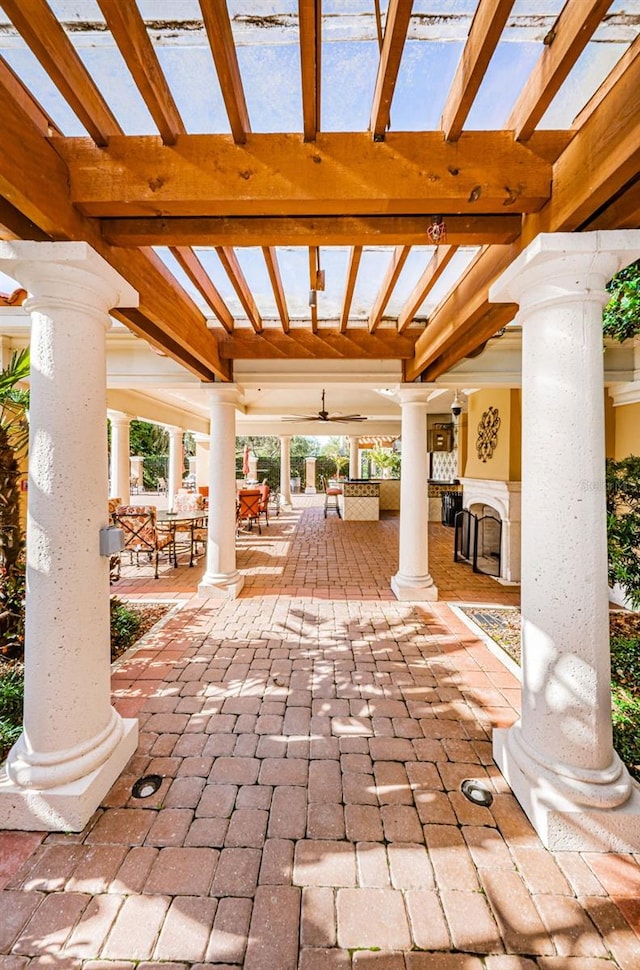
x: 623, y: 525
x: 11, y: 704
x: 126, y: 623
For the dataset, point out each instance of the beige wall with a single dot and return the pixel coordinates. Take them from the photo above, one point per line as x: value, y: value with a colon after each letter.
x: 627, y: 431
x: 609, y: 426
x: 505, y: 464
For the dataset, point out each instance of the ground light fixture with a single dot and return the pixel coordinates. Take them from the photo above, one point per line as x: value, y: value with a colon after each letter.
x: 476, y: 793
x: 146, y: 786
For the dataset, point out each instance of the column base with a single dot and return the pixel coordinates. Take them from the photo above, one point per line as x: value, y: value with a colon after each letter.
x: 311, y: 490
x: 66, y: 808
x: 222, y: 586
x: 561, y: 823
x: 419, y: 588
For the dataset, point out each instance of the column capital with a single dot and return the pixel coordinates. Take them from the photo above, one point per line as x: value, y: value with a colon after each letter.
x: 60, y: 271
x: 413, y: 393
x: 224, y: 394
x: 119, y: 418
x: 558, y: 266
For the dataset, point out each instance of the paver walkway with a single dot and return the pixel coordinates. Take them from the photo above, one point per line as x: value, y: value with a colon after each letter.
x: 310, y: 815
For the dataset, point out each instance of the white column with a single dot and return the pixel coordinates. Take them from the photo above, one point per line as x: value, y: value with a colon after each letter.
x: 558, y: 758
x: 120, y: 473
x: 74, y: 743
x: 285, y: 471
x: 310, y: 476
x: 176, y: 463
x: 413, y: 581
x: 222, y: 578
x: 354, y: 456
x: 202, y: 459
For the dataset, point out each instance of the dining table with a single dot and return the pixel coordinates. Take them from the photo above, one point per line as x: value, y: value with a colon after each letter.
x: 185, y: 522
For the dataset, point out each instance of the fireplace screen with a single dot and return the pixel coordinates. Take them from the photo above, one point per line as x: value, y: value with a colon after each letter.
x: 478, y: 541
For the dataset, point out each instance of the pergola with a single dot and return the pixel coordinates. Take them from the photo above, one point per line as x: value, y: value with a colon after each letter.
x: 466, y: 161
x: 196, y: 218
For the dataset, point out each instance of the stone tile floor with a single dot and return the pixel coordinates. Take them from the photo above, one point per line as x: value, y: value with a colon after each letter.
x: 312, y: 737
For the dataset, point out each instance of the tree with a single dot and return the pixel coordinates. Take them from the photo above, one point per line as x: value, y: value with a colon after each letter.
x: 386, y: 459
x: 623, y: 525
x: 334, y: 449
x: 14, y: 440
x: 622, y: 312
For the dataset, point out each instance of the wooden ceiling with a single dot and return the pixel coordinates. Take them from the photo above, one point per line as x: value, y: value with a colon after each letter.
x: 125, y: 194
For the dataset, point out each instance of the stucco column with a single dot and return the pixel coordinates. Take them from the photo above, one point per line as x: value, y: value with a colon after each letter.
x: 559, y: 758
x: 285, y: 471
x: 74, y: 744
x: 120, y: 475
x: 222, y: 579
x: 202, y: 459
x: 354, y: 456
x: 413, y: 581
x: 176, y: 463
x: 310, y: 476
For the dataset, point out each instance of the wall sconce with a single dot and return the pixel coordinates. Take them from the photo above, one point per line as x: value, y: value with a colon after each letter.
x: 313, y: 298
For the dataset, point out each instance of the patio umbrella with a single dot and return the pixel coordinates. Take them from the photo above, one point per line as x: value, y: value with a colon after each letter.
x: 245, y: 461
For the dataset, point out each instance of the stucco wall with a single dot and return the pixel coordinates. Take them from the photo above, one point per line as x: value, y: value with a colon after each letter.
x: 505, y: 463
x: 627, y: 430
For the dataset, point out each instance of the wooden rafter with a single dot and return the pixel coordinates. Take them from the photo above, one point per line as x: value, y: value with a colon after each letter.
x: 202, y: 281
x: 395, y: 34
x: 594, y: 168
x: 352, y: 272
x: 324, y: 344
x: 218, y: 27
x: 619, y: 69
x: 271, y: 259
x: 310, y: 19
x: 35, y: 180
x: 46, y: 37
x: 432, y: 273
x: 568, y: 38
x: 622, y: 213
x: 233, y: 270
x: 16, y: 89
x: 325, y: 230
x: 130, y: 34
x: 395, y: 267
x: 486, y: 29
x: 13, y: 225
x: 342, y: 173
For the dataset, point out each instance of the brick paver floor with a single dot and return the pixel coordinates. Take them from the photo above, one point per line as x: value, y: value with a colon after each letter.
x: 312, y: 737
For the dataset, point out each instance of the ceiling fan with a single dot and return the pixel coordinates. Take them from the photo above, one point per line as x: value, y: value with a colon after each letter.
x: 323, y: 415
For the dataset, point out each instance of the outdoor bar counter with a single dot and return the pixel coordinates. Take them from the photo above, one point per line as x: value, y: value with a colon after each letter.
x: 363, y: 498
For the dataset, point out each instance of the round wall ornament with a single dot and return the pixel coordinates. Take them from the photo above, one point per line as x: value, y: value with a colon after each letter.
x: 488, y: 434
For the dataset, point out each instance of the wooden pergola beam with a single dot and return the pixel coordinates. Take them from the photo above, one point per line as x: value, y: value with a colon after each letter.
x: 218, y: 27
x: 310, y: 21
x: 238, y: 280
x: 428, y: 279
x: 196, y: 272
x: 395, y: 267
x: 35, y: 180
x: 599, y: 163
x: 568, y: 38
x: 392, y: 230
x: 395, y: 34
x: 273, y: 269
x: 12, y: 84
x: 355, y: 255
x: 325, y: 344
x: 130, y: 34
x: 486, y: 29
x: 44, y: 34
x: 341, y: 173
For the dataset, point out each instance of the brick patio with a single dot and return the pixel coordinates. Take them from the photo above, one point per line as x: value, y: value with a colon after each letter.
x: 312, y: 737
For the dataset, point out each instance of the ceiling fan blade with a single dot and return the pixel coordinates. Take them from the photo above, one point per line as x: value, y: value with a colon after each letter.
x: 347, y: 417
x: 300, y: 417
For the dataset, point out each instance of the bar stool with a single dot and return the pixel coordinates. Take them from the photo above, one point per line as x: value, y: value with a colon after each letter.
x: 331, y: 493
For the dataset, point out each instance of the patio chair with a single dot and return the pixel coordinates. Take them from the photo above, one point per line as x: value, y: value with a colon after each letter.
x: 331, y: 493
x: 264, y: 490
x: 249, y: 508
x: 142, y: 535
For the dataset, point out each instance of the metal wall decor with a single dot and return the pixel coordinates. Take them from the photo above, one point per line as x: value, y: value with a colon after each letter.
x: 488, y: 434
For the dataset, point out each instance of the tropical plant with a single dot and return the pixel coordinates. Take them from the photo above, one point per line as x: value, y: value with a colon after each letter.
x: 386, y: 459
x: 622, y: 313
x: 14, y: 439
x: 334, y: 450
x: 623, y: 525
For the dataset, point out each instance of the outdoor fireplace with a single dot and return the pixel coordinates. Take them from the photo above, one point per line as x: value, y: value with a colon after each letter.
x: 502, y: 500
